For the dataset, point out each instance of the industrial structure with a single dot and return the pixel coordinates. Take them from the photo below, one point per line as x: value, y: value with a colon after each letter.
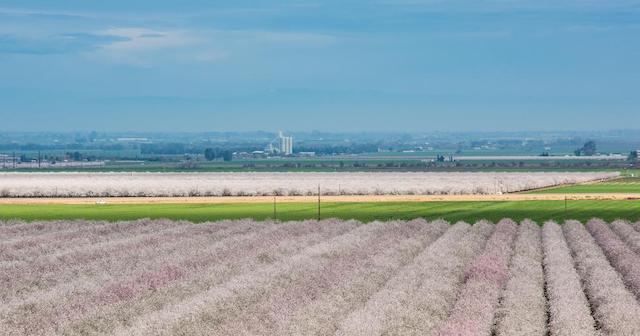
x: 286, y: 144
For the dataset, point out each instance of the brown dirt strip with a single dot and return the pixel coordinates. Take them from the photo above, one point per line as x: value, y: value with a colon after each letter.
x: 308, y: 199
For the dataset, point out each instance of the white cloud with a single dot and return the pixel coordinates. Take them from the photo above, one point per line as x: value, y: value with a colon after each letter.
x: 145, y: 47
x: 43, y: 13
x: 599, y: 28
x: 142, y: 39
x: 210, y: 55
x: 474, y: 34
x: 294, y: 38
x: 510, y: 5
x: 589, y: 28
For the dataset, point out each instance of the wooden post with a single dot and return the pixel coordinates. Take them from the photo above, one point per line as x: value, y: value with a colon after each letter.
x: 275, y: 214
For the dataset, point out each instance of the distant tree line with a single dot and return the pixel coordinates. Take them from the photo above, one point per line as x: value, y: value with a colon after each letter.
x: 588, y: 149
x: 71, y: 156
x: 168, y: 149
x: 65, y: 146
x: 211, y: 154
x: 338, y: 149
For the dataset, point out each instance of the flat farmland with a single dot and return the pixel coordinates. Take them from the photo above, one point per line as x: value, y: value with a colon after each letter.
x: 290, y: 184
x: 470, y: 211
x: 333, y: 277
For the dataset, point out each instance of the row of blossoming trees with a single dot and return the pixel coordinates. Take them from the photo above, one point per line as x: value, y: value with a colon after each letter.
x: 280, y: 184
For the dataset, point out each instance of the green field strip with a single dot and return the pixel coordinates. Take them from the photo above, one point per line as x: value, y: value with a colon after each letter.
x: 626, y: 185
x: 592, y: 189
x: 366, y: 211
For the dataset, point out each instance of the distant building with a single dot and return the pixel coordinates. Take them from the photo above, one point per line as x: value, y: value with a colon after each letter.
x: 7, y: 161
x: 259, y: 154
x: 132, y: 139
x: 286, y: 144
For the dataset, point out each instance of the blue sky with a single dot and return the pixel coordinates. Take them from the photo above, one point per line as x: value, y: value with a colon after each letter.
x: 377, y: 65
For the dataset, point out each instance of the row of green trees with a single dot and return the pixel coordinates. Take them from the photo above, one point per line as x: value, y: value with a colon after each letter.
x: 211, y: 154
x: 588, y: 149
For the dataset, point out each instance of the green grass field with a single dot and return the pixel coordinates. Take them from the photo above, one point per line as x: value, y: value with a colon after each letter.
x: 451, y: 211
x: 621, y: 185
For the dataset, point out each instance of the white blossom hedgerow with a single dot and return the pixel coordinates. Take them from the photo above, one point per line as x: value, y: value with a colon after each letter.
x: 569, y: 312
x: 628, y: 234
x: 419, y: 298
x: 619, y: 254
x: 523, y: 309
x: 474, y: 311
x: 289, y: 183
x: 615, y: 308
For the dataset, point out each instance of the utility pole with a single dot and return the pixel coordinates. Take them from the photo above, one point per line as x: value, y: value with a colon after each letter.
x: 565, y: 203
x: 275, y: 217
x: 14, y: 160
x: 318, y: 202
x: 39, y: 160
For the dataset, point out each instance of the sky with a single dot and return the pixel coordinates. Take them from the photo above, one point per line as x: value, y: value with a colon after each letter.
x: 338, y: 65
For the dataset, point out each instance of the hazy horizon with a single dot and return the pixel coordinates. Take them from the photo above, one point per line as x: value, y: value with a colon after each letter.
x: 324, y: 131
x: 628, y: 132
x: 374, y: 66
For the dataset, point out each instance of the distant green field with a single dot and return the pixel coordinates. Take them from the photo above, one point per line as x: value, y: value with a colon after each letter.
x: 451, y: 211
x: 622, y: 185
x: 369, y: 165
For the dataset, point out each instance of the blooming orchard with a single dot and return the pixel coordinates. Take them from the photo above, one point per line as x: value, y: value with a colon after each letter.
x: 292, y: 184
x: 159, y: 277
